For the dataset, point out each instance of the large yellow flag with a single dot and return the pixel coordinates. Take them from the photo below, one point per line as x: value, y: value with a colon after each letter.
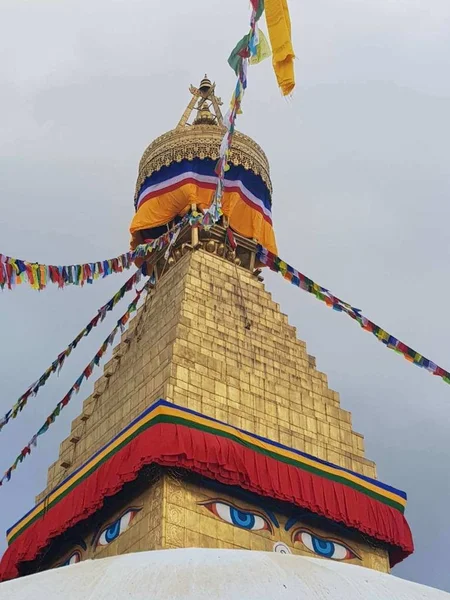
x: 279, y: 28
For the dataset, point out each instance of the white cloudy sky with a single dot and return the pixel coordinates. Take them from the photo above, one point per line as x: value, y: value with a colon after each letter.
x: 359, y: 161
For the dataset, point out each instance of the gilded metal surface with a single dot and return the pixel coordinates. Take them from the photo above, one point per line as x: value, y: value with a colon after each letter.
x: 202, y: 140
x: 205, y: 92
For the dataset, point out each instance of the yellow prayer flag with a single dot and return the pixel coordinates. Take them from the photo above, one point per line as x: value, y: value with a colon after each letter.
x: 279, y: 28
x: 35, y: 269
x: 263, y: 50
x: 383, y: 335
x: 283, y: 267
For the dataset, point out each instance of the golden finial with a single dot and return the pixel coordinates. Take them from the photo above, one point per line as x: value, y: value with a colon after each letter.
x: 205, y: 92
x: 205, y: 85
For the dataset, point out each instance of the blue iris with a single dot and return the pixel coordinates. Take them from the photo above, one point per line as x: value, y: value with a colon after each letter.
x: 323, y: 547
x: 113, y: 531
x: 241, y: 518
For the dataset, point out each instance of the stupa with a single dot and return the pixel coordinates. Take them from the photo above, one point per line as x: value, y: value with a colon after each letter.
x: 211, y: 426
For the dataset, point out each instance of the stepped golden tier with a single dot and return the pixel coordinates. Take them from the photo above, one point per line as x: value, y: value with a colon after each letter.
x: 211, y: 426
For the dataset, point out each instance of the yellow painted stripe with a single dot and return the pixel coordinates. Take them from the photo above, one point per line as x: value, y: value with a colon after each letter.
x: 292, y: 455
x: 176, y: 412
x: 107, y: 450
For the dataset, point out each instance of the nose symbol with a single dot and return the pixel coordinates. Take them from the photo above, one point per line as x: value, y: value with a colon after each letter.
x: 281, y: 548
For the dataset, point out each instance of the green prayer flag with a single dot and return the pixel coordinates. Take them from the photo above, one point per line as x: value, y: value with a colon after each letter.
x: 235, y: 60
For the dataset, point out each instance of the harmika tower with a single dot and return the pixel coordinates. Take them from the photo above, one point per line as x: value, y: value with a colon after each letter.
x: 211, y: 426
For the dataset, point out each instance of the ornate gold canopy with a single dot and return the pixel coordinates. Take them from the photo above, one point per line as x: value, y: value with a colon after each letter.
x: 201, y: 139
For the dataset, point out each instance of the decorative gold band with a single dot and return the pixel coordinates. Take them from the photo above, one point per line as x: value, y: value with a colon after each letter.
x: 202, y: 141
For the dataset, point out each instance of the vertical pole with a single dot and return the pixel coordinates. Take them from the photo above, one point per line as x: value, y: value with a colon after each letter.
x: 252, y: 258
x: 194, y: 229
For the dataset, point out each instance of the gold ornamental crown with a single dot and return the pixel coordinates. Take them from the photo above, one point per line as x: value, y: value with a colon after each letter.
x: 202, y: 139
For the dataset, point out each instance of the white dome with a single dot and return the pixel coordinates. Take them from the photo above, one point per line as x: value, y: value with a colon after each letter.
x: 206, y: 574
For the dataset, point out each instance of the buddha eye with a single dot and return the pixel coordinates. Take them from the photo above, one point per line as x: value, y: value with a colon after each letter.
x: 239, y: 517
x: 323, y: 547
x: 112, y: 531
x: 74, y: 558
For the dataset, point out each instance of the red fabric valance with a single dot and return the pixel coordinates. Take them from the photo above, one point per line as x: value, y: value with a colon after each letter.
x: 222, y: 459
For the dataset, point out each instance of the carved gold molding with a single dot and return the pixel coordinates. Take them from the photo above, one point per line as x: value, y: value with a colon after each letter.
x: 202, y: 141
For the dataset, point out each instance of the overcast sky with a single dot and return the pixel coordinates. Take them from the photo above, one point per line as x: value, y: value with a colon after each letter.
x: 359, y: 160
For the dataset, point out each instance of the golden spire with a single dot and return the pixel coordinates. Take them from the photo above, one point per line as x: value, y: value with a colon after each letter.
x: 205, y: 98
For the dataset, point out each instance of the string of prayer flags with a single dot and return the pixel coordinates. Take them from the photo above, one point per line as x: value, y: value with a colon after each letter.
x: 57, y: 364
x: 14, y: 271
x: 132, y: 307
x: 298, y: 279
x: 258, y: 8
x: 164, y: 240
x: 245, y: 49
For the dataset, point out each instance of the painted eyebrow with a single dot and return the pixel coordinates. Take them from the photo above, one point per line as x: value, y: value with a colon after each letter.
x: 291, y: 522
x: 76, y: 541
x: 271, y: 516
x: 298, y: 516
x: 82, y: 544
